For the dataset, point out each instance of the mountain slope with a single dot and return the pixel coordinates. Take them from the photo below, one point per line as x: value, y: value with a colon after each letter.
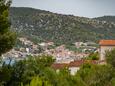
x: 106, y: 18
x: 39, y: 25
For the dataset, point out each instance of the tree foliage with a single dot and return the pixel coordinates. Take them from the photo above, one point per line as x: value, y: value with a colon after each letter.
x: 96, y: 75
x: 7, y: 38
x: 93, y: 56
x: 37, y: 81
x: 110, y: 56
x: 37, y: 71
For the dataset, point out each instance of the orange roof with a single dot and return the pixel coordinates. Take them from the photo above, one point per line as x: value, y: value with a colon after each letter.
x: 107, y: 42
x: 77, y: 63
x: 59, y: 65
x: 81, y: 62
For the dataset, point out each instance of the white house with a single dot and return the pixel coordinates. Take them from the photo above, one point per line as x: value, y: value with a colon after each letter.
x: 74, y: 66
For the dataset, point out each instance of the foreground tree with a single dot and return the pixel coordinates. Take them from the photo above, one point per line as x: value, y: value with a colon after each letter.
x: 7, y: 38
x: 39, y: 81
x: 97, y: 75
x: 110, y: 57
x: 93, y: 56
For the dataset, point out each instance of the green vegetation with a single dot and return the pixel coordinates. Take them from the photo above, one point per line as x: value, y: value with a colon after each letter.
x: 7, y: 38
x: 37, y: 71
x: 25, y: 71
x: 37, y: 81
x: 106, y: 18
x: 93, y: 56
x: 97, y: 75
x: 39, y: 25
x: 110, y: 56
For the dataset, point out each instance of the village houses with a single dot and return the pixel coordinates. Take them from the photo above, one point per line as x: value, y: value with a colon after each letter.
x: 74, y: 66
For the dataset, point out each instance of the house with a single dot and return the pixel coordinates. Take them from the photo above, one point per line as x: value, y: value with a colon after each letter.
x: 74, y: 66
x: 105, y: 45
x: 59, y: 66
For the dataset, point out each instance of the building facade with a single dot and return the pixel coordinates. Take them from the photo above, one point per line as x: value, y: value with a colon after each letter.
x: 106, y: 45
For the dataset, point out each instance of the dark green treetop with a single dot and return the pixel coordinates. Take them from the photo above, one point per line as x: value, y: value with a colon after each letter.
x: 7, y: 38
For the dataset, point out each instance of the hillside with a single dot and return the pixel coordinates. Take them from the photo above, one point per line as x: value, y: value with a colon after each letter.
x: 39, y: 25
x: 106, y: 18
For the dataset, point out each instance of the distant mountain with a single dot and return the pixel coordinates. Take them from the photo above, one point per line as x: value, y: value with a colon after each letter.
x: 39, y: 25
x: 106, y: 18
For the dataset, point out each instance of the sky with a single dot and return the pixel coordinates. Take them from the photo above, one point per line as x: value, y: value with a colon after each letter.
x: 84, y: 8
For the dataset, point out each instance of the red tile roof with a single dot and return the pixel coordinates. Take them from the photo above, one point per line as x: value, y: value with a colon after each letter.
x: 107, y: 42
x: 81, y: 62
x: 59, y: 65
x: 77, y: 63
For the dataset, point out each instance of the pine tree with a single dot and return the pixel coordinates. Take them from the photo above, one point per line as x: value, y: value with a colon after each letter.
x: 7, y: 38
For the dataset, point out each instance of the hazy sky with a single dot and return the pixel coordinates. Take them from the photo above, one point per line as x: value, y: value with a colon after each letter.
x: 86, y: 8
